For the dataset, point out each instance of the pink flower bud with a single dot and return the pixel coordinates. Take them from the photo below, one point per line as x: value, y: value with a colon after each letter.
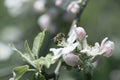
x: 107, y: 47
x: 39, y: 6
x: 59, y: 3
x: 81, y: 34
x: 71, y: 59
x: 44, y: 21
x: 73, y: 7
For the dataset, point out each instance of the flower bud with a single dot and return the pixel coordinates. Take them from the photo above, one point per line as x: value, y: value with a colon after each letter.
x: 39, y: 6
x: 73, y: 7
x: 71, y: 59
x: 107, y: 47
x: 44, y: 21
x: 58, y: 3
x: 81, y: 34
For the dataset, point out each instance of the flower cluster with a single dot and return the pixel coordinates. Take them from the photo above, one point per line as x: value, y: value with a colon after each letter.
x: 46, y: 15
x: 76, y: 44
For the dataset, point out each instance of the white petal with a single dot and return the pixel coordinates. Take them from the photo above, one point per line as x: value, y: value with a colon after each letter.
x: 56, y: 51
x: 72, y: 35
x: 103, y: 41
x: 85, y: 45
x: 97, y: 44
x: 70, y: 48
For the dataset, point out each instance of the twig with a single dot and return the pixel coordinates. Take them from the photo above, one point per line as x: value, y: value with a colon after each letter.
x: 88, y: 76
x: 82, y: 7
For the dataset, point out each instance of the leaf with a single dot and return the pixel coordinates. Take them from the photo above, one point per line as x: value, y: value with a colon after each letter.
x: 24, y: 56
x: 49, y: 60
x: 17, y: 51
x: 28, y: 51
x: 18, y: 72
x: 46, y: 61
x: 38, y: 43
x: 26, y: 47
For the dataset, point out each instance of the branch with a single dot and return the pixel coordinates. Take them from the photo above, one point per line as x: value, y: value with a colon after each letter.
x: 82, y: 7
x: 88, y: 76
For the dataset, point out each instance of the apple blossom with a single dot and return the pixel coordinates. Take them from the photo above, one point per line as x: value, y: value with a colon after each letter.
x: 39, y: 6
x: 104, y: 49
x: 59, y: 3
x: 44, y: 21
x: 73, y: 7
x: 77, y: 32
x: 81, y: 34
x: 107, y: 47
x: 71, y: 59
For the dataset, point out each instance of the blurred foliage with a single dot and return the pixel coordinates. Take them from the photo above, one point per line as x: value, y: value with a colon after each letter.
x: 100, y: 19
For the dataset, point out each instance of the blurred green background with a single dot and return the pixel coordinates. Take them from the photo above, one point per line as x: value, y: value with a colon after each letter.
x: 101, y: 18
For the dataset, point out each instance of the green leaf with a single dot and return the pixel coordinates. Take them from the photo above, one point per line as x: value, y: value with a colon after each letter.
x: 44, y: 61
x: 17, y: 51
x: 20, y: 71
x: 26, y: 47
x: 24, y: 56
x: 28, y: 51
x: 38, y: 43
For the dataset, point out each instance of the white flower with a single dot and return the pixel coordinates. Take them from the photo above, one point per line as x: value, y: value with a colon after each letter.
x: 39, y: 6
x: 44, y: 21
x: 92, y: 51
x: 68, y: 47
x: 61, y: 51
x: 104, y: 49
x: 73, y: 7
x: 59, y: 3
x: 107, y: 47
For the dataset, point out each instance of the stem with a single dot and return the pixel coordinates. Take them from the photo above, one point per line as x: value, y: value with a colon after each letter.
x: 54, y: 75
x: 57, y: 70
x: 88, y: 76
x: 82, y: 7
x: 32, y: 70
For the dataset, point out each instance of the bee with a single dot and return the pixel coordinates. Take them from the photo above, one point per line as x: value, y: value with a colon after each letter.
x: 58, y: 38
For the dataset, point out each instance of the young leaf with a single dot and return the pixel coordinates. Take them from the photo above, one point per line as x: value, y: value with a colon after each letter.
x: 28, y: 51
x: 26, y: 47
x: 19, y: 71
x: 24, y: 56
x: 38, y: 43
x: 17, y: 51
x: 44, y: 61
